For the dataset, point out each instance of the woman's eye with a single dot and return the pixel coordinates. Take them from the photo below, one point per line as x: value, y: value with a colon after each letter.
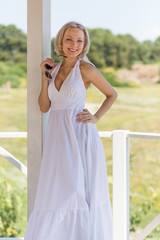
x: 68, y: 39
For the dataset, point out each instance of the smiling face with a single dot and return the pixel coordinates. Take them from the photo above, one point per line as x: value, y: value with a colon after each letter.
x: 73, y: 42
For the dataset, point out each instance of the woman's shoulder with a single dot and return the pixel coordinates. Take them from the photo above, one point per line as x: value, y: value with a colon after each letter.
x: 87, y: 68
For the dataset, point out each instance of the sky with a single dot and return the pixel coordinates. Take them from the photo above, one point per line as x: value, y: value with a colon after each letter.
x: 140, y: 18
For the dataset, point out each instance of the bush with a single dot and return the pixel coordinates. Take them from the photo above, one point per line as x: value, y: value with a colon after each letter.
x: 8, y: 211
x: 16, y: 74
x: 136, y: 215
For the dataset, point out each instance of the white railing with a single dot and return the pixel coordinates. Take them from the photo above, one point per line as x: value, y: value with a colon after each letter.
x: 121, y: 149
x: 121, y: 183
x: 4, y: 153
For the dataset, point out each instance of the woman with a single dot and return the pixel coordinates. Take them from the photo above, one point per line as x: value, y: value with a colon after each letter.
x: 72, y: 200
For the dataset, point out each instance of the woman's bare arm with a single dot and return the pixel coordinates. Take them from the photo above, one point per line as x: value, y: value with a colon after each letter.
x: 92, y: 75
x: 43, y: 100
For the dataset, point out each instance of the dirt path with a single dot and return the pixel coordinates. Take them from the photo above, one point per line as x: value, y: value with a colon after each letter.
x: 94, y: 106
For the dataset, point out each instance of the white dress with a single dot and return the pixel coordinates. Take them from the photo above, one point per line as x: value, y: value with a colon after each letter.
x: 72, y: 200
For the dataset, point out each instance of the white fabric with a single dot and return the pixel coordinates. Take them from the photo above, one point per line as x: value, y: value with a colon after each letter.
x: 85, y: 59
x: 72, y: 200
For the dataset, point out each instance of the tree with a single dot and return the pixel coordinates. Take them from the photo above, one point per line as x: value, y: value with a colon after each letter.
x: 156, y: 49
x: 13, y: 44
x: 145, y: 51
x: 130, y: 47
x: 96, y: 52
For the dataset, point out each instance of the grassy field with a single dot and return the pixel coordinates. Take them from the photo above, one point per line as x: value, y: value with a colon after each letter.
x: 136, y: 109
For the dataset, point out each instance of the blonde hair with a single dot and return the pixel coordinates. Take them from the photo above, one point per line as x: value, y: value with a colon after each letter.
x: 58, y: 40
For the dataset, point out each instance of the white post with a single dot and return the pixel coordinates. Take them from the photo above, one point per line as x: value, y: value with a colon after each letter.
x: 38, y: 48
x: 120, y: 185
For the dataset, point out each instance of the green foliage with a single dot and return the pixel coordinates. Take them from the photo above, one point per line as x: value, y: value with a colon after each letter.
x: 13, y: 44
x: 8, y: 211
x: 136, y: 216
x: 53, y: 53
x: 121, y: 50
x: 128, y: 50
x: 156, y: 49
x: 106, y: 49
x: 96, y: 54
x: 145, y: 52
x: 16, y: 74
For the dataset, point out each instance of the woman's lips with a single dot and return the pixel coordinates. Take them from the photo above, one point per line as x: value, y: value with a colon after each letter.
x: 72, y: 50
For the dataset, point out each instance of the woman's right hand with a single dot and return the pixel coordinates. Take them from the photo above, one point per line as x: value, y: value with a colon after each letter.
x: 48, y: 61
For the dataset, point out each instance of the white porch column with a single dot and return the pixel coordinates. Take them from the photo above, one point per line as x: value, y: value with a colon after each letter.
x: 38, y: 48
x: 120, y: 185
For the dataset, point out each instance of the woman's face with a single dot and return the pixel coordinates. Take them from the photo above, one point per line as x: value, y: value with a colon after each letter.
x: 73, y: 42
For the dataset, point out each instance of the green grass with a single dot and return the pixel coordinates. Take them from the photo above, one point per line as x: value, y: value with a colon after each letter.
x: 136, y: 109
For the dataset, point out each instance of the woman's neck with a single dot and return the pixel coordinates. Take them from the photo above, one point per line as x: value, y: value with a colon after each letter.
x: 69, y: 62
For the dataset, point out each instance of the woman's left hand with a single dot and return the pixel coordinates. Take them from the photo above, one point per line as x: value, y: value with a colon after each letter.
x: 86, y: 117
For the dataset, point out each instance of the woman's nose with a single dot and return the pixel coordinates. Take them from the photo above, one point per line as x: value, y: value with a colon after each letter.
x: 74, y: 44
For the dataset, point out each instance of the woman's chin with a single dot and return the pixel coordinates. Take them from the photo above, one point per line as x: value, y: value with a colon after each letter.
x: 72, y: 55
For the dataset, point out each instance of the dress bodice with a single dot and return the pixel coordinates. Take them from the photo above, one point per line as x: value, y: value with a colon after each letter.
x: 72, y: 93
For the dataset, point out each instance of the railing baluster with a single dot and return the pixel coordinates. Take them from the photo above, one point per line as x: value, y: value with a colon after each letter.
x: 120, y: 185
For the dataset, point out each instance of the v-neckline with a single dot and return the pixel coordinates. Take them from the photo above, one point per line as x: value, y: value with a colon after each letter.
x: 65, y: 78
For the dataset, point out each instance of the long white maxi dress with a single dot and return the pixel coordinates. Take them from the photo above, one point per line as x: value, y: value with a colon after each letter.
x: 72, y: 200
